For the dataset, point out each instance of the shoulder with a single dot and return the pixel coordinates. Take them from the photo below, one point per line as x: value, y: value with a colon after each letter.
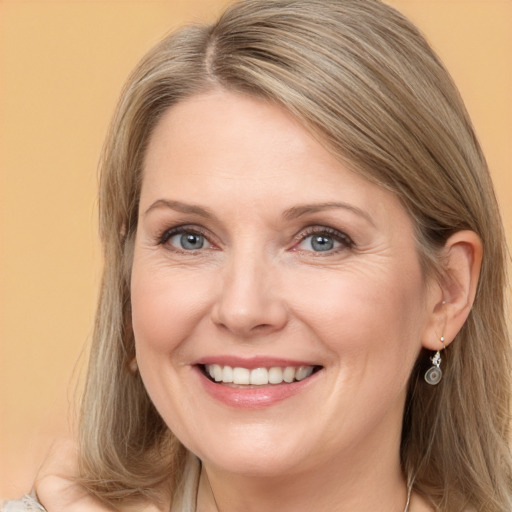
x: 25, y: 504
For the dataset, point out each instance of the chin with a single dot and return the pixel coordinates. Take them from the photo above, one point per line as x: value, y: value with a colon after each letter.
x: 255, y: 464
x: 256, y: 452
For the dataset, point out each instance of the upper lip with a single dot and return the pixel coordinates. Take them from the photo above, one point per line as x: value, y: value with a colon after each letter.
x: 252, y: 362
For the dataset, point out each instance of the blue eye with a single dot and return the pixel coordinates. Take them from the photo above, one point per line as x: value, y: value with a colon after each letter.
x: 187, y: 241
x: 324, y: 241
x: 321, y: 243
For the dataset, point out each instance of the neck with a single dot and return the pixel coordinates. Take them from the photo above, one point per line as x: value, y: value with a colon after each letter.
x: 359, y: 476
x: 357, y: 485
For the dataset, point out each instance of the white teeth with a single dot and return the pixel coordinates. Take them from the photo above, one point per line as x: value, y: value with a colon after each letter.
x: 303, y: 372
x: 289, y: 374
x: 241, y: 376
x: 257, y: 376
x: 217, y: 373
x: 275, y: 375
x: 227, y: 374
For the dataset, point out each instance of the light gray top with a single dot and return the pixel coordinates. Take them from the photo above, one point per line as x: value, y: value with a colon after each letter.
x: 185, y: 501
x: 26, y: 504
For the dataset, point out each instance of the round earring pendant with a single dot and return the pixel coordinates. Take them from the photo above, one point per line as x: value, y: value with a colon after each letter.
x: 433, y: 375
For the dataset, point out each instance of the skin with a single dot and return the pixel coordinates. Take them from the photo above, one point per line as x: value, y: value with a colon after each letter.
x: 242, y: 171
x: 257, y: 287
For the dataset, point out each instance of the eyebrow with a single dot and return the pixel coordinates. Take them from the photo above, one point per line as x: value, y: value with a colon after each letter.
x: 300, y: 210
x: 180, y: 207
x: 291, y: 213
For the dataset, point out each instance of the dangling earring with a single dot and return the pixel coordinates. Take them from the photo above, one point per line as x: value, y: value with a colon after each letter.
x: 434, y: 374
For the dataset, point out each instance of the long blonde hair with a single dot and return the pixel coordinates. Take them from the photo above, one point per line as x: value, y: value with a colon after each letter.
x: 360, y: 77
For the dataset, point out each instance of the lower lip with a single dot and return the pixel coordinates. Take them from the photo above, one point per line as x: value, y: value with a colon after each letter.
x: 254, y: 397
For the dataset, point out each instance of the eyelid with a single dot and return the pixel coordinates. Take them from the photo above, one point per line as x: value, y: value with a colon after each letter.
x: 338, y: 235
x: 164, y: 236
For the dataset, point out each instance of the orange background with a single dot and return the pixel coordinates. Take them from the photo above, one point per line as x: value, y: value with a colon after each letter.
x: 62, y: 64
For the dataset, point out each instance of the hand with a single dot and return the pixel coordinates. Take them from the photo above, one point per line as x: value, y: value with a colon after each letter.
x: 58, y: 491
x: 55, y: 485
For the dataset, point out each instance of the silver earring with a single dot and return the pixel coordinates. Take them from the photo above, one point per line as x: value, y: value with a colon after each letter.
x: 434, y: 374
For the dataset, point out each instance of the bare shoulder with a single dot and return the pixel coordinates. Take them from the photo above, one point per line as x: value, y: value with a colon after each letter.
x: 420, y: 504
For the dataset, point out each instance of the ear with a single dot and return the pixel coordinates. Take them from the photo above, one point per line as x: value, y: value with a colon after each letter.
x: 461, y: 261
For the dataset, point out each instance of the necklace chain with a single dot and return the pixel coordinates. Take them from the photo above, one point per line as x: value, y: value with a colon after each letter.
x: 406, y: 509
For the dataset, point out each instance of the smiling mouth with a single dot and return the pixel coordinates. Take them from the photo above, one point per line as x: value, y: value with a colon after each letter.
x: 257, y: 376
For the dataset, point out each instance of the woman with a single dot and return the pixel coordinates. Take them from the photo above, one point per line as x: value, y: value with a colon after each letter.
x: 303, y: 296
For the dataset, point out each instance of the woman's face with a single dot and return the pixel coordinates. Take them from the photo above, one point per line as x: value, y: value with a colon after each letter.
x: 260, y: 259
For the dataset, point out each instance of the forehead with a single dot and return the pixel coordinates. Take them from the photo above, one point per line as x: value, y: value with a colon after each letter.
x: 232, y: 125
x: 227, y: 149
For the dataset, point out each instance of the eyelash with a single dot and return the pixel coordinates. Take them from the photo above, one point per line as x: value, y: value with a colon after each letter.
x: 338, y: 236
x: 166, y: 235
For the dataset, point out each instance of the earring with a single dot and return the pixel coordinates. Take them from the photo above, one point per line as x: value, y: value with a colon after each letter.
x: 434, y: 374
x: 132, y: 366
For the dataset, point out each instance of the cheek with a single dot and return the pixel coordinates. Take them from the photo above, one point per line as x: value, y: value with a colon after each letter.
x: 372, y: 324
x: 166, y: 305
x: 374, y: 310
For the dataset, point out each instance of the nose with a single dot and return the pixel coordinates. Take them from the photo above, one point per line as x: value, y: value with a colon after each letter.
x: 250, y: 302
